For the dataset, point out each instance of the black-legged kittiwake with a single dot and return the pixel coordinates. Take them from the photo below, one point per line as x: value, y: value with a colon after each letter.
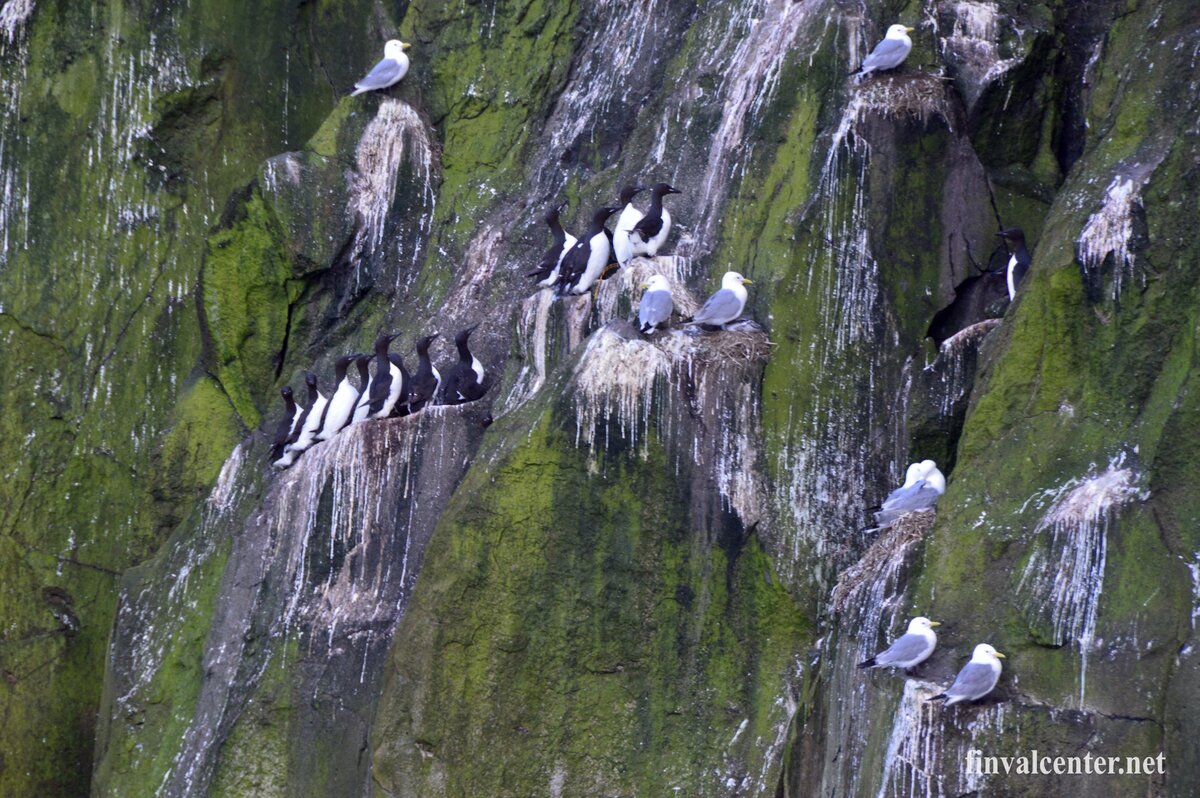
x: 657, y: 304
x: 910, y: 649
x: 725, y: 305
x: 889, y: 53
x: 977, y: 678
x: 388, y: 71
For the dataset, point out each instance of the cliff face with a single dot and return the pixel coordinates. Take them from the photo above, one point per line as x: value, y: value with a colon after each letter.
x: 636, y: 567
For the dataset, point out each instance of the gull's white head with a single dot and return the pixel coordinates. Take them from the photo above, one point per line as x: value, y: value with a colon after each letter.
x: 733, y: 280
x: 657, y: 283
x: 985, y: 653
x: 394, y: 49
x: 915, y: 473
x: 933, y: 476
x: 898, y: 32
x: 921, y: 624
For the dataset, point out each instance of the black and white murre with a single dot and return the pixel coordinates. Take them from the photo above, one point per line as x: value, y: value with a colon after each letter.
x: 428, y: 380
x: 548, y: 267
x: 289, y: 454
x: 651, y: 231
x: 401, y: 407
x: 363, y: 364
x: 311, y: 424
x: 386, y: 383
x: 587, y: 259
x: 464, y: 381
x: 1018, y: 261
x: 284, y: 430
x: 630, y: 216
x: 341, y: 404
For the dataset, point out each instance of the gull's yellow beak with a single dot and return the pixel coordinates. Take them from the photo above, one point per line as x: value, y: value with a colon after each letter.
x: 998, y: 654
x: 934, y: 623
x: 747, y: 282
x: 644, y: 286
x: 406, y: 45
x: 910, y: 30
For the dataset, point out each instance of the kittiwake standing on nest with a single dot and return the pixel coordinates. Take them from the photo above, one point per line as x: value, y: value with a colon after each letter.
x: 725, y: 305
x: 977, y: 678
x: 910, y: 649
x: 921, y: 490
x: 889, y: 53
x: 656, y: 306
x: 388, y: 71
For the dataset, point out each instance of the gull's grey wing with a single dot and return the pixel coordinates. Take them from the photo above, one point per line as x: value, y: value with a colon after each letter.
x: 975, y: 680
x: 721, y: 307
x: 907, y: 648
x: 918, y: 497
x: 655, y: 308
x: 385, y: 73
x: 887, y: 54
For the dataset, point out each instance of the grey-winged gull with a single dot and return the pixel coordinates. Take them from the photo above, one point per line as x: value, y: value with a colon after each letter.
x: 977, y: 678
x: 388, y: 71
x: 657, y: 304
x: 910, y: 649
x: 921, y: 490
x: 889, y: 53
x: 725, y: 305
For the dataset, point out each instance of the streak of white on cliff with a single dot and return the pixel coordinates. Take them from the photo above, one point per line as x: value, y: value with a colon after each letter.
x: 772, y: 30
x: 395, y: 137
x: 629, y: 385
x: 354, y: 497
x: 826, y: 457
x: 869, y: 606
x: 974, y: 45
x: 14, y: 189
x: 922, y: 759
x: 1064, y: 580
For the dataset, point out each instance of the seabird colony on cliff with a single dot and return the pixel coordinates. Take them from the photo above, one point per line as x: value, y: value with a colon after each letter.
x: 573, y: 266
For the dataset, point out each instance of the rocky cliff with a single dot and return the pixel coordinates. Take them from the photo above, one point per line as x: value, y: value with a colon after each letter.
x: 636, y: 567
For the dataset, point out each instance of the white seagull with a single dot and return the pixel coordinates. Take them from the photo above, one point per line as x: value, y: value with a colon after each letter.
x: 977, y: 678
x: 889, y: 53
x: 657, y: 304
x: 910, y: 649
x: 725, y: 305
x: 923, y: 486
x: 388, y: 71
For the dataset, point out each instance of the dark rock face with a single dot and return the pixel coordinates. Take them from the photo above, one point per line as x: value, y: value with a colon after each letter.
x: 649, y: 575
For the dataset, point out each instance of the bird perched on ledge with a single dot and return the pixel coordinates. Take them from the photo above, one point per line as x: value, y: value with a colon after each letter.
x: 888, y: 54
x: 387, y: 72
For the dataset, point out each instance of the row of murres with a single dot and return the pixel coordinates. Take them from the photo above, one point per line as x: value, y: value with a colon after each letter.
x: 389, y: 392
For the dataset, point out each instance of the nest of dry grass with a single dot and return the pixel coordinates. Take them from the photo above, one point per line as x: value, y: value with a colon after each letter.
x: 894, y: 543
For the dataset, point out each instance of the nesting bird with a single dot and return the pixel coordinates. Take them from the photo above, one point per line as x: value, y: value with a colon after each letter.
x: 548, y: 267
x: 726, y: 304
x: 657, y: 304
x: 1018, y: 261
x: 924, y: 484
x: 388, y: 71
x: 650, y: 232
x: 977, y: 678
x: 889, y: 53
x: 910, y: 649
x: 587, y: 259
x: 464, y: 382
